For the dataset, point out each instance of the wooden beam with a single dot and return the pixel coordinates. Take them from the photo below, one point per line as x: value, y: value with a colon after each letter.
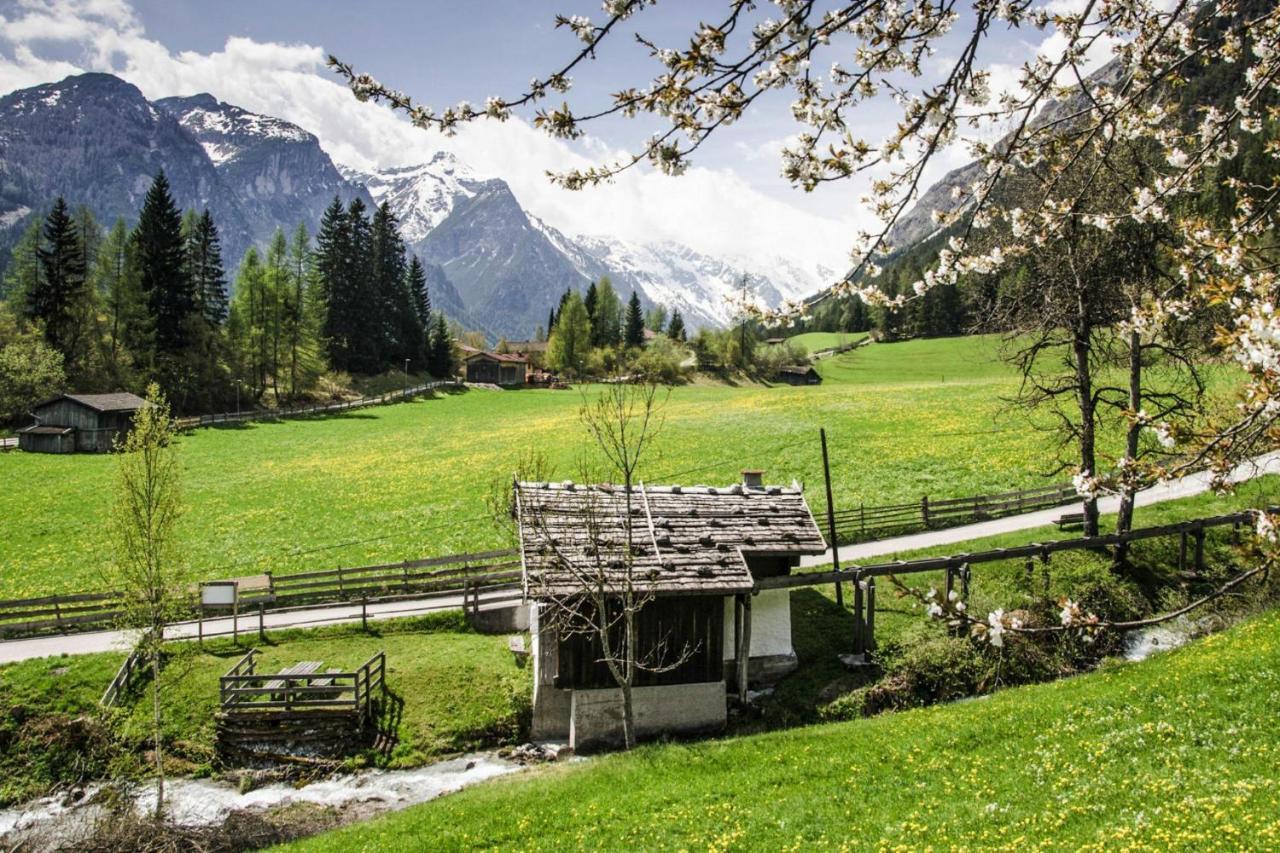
x: 744, y: 651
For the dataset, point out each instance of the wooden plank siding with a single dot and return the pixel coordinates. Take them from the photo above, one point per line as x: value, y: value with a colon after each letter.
x: 666, y: 629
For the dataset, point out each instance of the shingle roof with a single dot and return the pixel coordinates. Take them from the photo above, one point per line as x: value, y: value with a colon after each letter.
x: 119, y: 402
x: 497, y: 356
x: 687, y: 540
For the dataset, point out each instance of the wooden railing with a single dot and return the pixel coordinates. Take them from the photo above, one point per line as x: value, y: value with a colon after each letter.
x: 244, y: 690
x: 132, y: 665
x: 469, y: 575
x: 195, y: 421
x: 865, y: 523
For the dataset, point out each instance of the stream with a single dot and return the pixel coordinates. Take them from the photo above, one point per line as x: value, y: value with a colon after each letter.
x: 207, y: 802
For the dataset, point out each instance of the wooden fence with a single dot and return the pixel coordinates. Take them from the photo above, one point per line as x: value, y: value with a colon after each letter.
x: 470, y: 575
x: 865, y: 523
x: 316, y: 409
x: 958, y: 567
x: 132, y: 666
x: 244, y: 690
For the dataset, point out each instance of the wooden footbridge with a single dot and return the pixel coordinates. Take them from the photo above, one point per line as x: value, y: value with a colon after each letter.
x: 303, y: 709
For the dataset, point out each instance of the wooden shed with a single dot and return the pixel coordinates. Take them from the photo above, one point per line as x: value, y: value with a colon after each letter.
x: 697, y: 554
x: 496, y: 368
x: 799, y: 374
x: 80, y: 422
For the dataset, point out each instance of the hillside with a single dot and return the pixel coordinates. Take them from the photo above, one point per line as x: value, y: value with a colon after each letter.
x: 1177, y: 752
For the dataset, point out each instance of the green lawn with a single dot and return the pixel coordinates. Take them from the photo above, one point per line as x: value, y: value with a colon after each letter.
x: 452, y: 690
x: 816, y: 341
x: 1176, y: 753
x: 409, y: 480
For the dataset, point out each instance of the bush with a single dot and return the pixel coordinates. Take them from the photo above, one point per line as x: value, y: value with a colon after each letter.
x: 30, y: 371
x: 661, y: 361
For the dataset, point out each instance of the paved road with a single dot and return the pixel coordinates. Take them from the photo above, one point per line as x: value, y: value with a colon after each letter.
x: 1192, y: 484
x: 103, y: 641
x: 106, y: 641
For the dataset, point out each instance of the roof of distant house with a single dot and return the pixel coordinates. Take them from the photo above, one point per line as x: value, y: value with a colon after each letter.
x: 797, y: 369
x: 119, y: 402
x: 510, y: 357
x: 685, y: 540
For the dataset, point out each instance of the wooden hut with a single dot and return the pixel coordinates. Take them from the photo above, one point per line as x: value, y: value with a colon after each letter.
x: 697, y: 554
x: 799, y: 374
x: 495, y: 368
x: 80, y: 422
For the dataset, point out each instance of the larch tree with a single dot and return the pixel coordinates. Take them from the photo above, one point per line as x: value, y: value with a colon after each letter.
x: 148, y: 569
x: 571, y: 341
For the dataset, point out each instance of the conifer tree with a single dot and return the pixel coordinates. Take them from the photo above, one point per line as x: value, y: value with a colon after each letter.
x: 606, y: 326
x: 23, y: 272
x: 416, y: 281
x: 162, y: 267
x: 332, y: 268
x: 126, y: 328
x: 302, y: 320
x: 365, y: 317
x: 442, y: 365
x: 60, y: 300
x: 635, y: 322
x: 589, y: 302
x: 675, y: 329
x: 208, y: 278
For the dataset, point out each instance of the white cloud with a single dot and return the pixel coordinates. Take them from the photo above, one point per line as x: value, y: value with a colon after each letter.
x: 714, y: 211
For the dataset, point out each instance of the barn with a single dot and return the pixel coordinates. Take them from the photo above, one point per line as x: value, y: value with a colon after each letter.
x: 799, y: 374
x: 495, y: 368
x: 698, y: 553
x: 80, y: 422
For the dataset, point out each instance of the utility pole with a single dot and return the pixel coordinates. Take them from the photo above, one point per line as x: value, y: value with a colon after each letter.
x: 405, y: 390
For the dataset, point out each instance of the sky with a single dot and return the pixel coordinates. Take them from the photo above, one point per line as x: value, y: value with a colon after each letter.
x: 268, y: 56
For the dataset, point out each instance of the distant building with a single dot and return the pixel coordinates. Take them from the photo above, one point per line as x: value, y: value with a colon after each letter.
x: 80, y: 422
x: 698, y: 552
x: 494, y: 368
x: 799, y: 374
x: 773, y: 342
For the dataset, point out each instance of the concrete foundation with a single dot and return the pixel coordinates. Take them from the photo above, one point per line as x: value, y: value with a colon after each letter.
x: 596, y: 715
x: 767, y: 669
x: 507, y: 619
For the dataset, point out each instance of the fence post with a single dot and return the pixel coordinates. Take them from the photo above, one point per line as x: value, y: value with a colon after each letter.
x: 965, y: 574
x: 862, y: 518
x: 1182, y: 551
x: 57, y: 614
x: 951, y: 580
x: 924, y: 509
x: 262, y: 625
x: 831, y: 517
x: 364, y: 614
x: 871, y: 614
x: 1199, y: 550
x: 859, y: 622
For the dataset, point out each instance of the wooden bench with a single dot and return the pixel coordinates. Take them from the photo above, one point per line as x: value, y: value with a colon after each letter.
x: 306, y: 667
x: 1070, y: 519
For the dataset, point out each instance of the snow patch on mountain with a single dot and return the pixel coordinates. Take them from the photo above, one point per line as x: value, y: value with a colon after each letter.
x: 423, y: 195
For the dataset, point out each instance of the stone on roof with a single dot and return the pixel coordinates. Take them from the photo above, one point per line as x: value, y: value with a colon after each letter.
x: 685, y: 540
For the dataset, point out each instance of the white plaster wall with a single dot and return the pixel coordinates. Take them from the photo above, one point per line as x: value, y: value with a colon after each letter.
x: 770, y: 624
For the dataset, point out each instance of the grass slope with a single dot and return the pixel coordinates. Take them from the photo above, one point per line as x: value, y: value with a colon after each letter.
x: 1178, y: 752
x: 451, y: 689
x: 817, y: 341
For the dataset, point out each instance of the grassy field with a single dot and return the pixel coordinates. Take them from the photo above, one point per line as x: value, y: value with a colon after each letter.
x: 452, y: 690
x: 1175, y: 753
x: 816, y: 341
x: 409, y: 480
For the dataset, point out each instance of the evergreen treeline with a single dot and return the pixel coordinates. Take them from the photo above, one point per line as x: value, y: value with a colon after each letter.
x: 596, y: 334
x: 89, y: 309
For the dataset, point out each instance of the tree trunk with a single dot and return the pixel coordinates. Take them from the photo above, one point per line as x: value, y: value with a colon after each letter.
x: 156, y: 723
x: 1084, y: 389
x: 1129, y: 488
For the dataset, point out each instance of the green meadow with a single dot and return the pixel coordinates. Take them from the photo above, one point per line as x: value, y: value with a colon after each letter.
x: 410, y: 480
x: 1175, y: 753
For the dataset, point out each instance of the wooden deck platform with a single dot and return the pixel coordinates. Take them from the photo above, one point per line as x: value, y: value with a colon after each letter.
x: 302, y: 710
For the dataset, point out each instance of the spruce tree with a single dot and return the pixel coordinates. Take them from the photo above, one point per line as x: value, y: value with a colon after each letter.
x: 589, y: 302
x: 365, y: 321
x: 402, y: 328
x: 417, y: 278
x: 635, y: 322
x: 332, y: 270
x: 162, y: 267
x: 675, y: 329
x: 61, y: 293
x: 208, y: 278
x: 441, y: 364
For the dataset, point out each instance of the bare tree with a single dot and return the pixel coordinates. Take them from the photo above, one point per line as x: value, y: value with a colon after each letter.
x: 591, y: 584
x: 147, y: 566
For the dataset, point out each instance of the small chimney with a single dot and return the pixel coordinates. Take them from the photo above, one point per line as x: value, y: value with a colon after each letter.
x: 752, y: 478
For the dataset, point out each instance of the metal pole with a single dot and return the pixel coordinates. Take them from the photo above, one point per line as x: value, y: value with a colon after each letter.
x: 831, y: 515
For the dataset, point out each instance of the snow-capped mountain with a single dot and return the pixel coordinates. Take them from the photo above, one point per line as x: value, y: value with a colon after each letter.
x: 423, y: 195
x: 278, y: 172
x: 516, y: 246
